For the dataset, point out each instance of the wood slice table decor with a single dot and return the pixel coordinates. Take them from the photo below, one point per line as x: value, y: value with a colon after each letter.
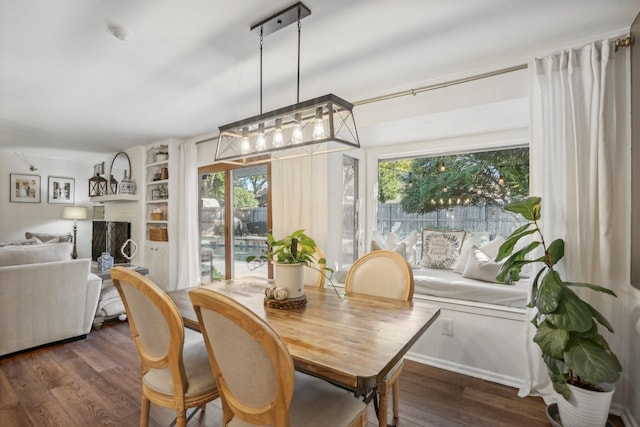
x: 285, y: 304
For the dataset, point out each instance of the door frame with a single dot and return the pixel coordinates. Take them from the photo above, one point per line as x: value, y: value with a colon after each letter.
x: 228, y: 213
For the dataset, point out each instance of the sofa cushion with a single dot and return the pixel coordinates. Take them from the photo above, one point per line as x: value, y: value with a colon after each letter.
x: 49, y: 238
x: 21, y: 242
x: 48, y: 252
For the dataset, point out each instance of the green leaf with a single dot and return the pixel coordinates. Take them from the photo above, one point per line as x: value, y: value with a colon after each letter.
x: 529, y: 208
x: 556, y: 251
x: 572, y: 313
x: 552, y: 341
x: 507, y: 247
x: 600, y: 318
x: 550, y: 292
x: 593, y: 287
x: 534, y: 288
x: 591, y: 362
x: 558, y: 373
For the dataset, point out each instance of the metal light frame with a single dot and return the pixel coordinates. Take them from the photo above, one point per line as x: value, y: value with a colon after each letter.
x: 320, y: 125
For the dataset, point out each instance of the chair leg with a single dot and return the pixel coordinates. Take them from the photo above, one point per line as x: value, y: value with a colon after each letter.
x: 144, y: 412
x: 382, y: 408
x: 181, y: 418
x: 396, y: 404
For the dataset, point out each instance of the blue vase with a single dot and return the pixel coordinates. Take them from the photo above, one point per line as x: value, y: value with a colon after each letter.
x: 105, y: 261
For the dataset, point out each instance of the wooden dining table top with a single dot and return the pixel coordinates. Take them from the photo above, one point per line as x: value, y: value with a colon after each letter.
x: 353, y: 341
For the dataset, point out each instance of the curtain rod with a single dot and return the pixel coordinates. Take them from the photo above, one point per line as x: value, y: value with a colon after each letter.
x: 440, y: 85
x: 621, y: 42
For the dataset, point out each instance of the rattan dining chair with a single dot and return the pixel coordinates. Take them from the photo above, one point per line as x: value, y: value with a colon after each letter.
x: 385, y: 274
x: 175, y: 372
x: 256, y: 376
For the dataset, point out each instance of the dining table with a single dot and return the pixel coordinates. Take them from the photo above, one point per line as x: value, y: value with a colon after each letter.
x: 350, y: 340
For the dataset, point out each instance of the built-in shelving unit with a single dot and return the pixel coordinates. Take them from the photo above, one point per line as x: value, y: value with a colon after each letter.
x: 159, y: 213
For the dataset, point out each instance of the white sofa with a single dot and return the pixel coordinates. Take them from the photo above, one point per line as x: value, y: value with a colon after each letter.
x: 44, y: 296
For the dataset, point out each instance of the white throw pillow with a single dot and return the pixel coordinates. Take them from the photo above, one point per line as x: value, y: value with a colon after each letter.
x: 491, y: 248
x: 480, y: 266
x: 470, y: 240
x: 400, y: 249
x: 392, y: 241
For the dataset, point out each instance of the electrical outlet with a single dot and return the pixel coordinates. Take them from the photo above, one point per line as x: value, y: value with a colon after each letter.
x: 447, y: 327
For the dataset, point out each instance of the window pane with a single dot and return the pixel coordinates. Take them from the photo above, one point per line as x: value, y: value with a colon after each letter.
x: 457, y: 192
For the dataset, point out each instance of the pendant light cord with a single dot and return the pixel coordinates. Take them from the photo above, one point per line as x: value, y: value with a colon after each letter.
x: 299, y: 27
x: 261, y: 39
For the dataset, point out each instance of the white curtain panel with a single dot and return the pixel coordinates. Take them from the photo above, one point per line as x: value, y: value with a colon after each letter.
x: 188, y: 260
x: 580, y: 167
x: 299, y: 197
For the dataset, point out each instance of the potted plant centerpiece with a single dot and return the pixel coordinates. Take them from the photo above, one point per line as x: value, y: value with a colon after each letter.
x: 290, y: 255
x: 580, y: 363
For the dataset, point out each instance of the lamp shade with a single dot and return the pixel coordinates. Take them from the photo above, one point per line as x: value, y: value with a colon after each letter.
x: 74, y: 212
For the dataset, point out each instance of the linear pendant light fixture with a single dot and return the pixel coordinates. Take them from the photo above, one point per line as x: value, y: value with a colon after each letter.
x: 320, y: 125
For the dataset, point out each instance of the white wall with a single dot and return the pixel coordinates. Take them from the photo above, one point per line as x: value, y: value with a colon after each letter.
x: 18, y: 218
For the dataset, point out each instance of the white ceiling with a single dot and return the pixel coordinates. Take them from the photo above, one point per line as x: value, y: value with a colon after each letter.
x: 190, y: 66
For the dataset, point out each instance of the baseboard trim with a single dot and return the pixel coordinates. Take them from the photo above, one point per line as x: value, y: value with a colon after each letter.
x: 467, y: 370
x: 627, y: 418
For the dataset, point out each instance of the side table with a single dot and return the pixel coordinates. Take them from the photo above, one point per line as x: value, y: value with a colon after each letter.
x: 110, y: 305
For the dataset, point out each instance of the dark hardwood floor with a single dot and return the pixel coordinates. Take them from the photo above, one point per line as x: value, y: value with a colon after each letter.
x: 95, y: 382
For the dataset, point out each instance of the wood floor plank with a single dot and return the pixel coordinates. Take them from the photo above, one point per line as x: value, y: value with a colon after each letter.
x: 79, y: 403
x: 48, y: 414
x: 112, y: 399
x: 96, y: 382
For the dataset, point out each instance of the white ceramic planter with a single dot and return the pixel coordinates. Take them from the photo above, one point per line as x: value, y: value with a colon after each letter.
x: 290, y: 277
x: 586, y: 408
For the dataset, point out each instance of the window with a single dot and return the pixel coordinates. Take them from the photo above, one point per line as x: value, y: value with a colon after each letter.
x: 463, y: 191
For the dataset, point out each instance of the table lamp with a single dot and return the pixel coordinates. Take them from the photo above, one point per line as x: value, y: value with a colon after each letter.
x: 75, y: 213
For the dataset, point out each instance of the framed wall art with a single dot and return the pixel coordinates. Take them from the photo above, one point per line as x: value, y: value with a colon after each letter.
x: 25, y: 188
x: 62, y: 190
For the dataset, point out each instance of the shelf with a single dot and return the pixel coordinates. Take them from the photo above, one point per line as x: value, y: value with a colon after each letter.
x: 115, y: 198
x: 158, y: 164
x: 160, y: 181
x: 158, y: 201
x: 157, y: 221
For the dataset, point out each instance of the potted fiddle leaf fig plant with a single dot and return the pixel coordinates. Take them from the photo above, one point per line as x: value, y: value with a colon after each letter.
x: 291, y: 255
x: 580, y: 363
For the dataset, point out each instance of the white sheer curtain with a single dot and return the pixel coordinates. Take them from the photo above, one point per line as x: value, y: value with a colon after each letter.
x: 188, y: 259
x: 580, y: 167
x: 299, y: 197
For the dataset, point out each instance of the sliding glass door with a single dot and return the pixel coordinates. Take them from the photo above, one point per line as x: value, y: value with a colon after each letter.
x: 235, y: 218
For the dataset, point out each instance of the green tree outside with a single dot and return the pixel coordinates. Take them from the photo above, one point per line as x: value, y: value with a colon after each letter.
x: 432, y: 183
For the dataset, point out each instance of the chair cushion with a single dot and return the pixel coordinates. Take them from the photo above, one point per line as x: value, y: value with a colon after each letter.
x: 316, y: 403
x: 196, y: 365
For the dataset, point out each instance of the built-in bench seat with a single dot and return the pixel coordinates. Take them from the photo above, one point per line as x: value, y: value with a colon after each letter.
x: 452, y: 285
